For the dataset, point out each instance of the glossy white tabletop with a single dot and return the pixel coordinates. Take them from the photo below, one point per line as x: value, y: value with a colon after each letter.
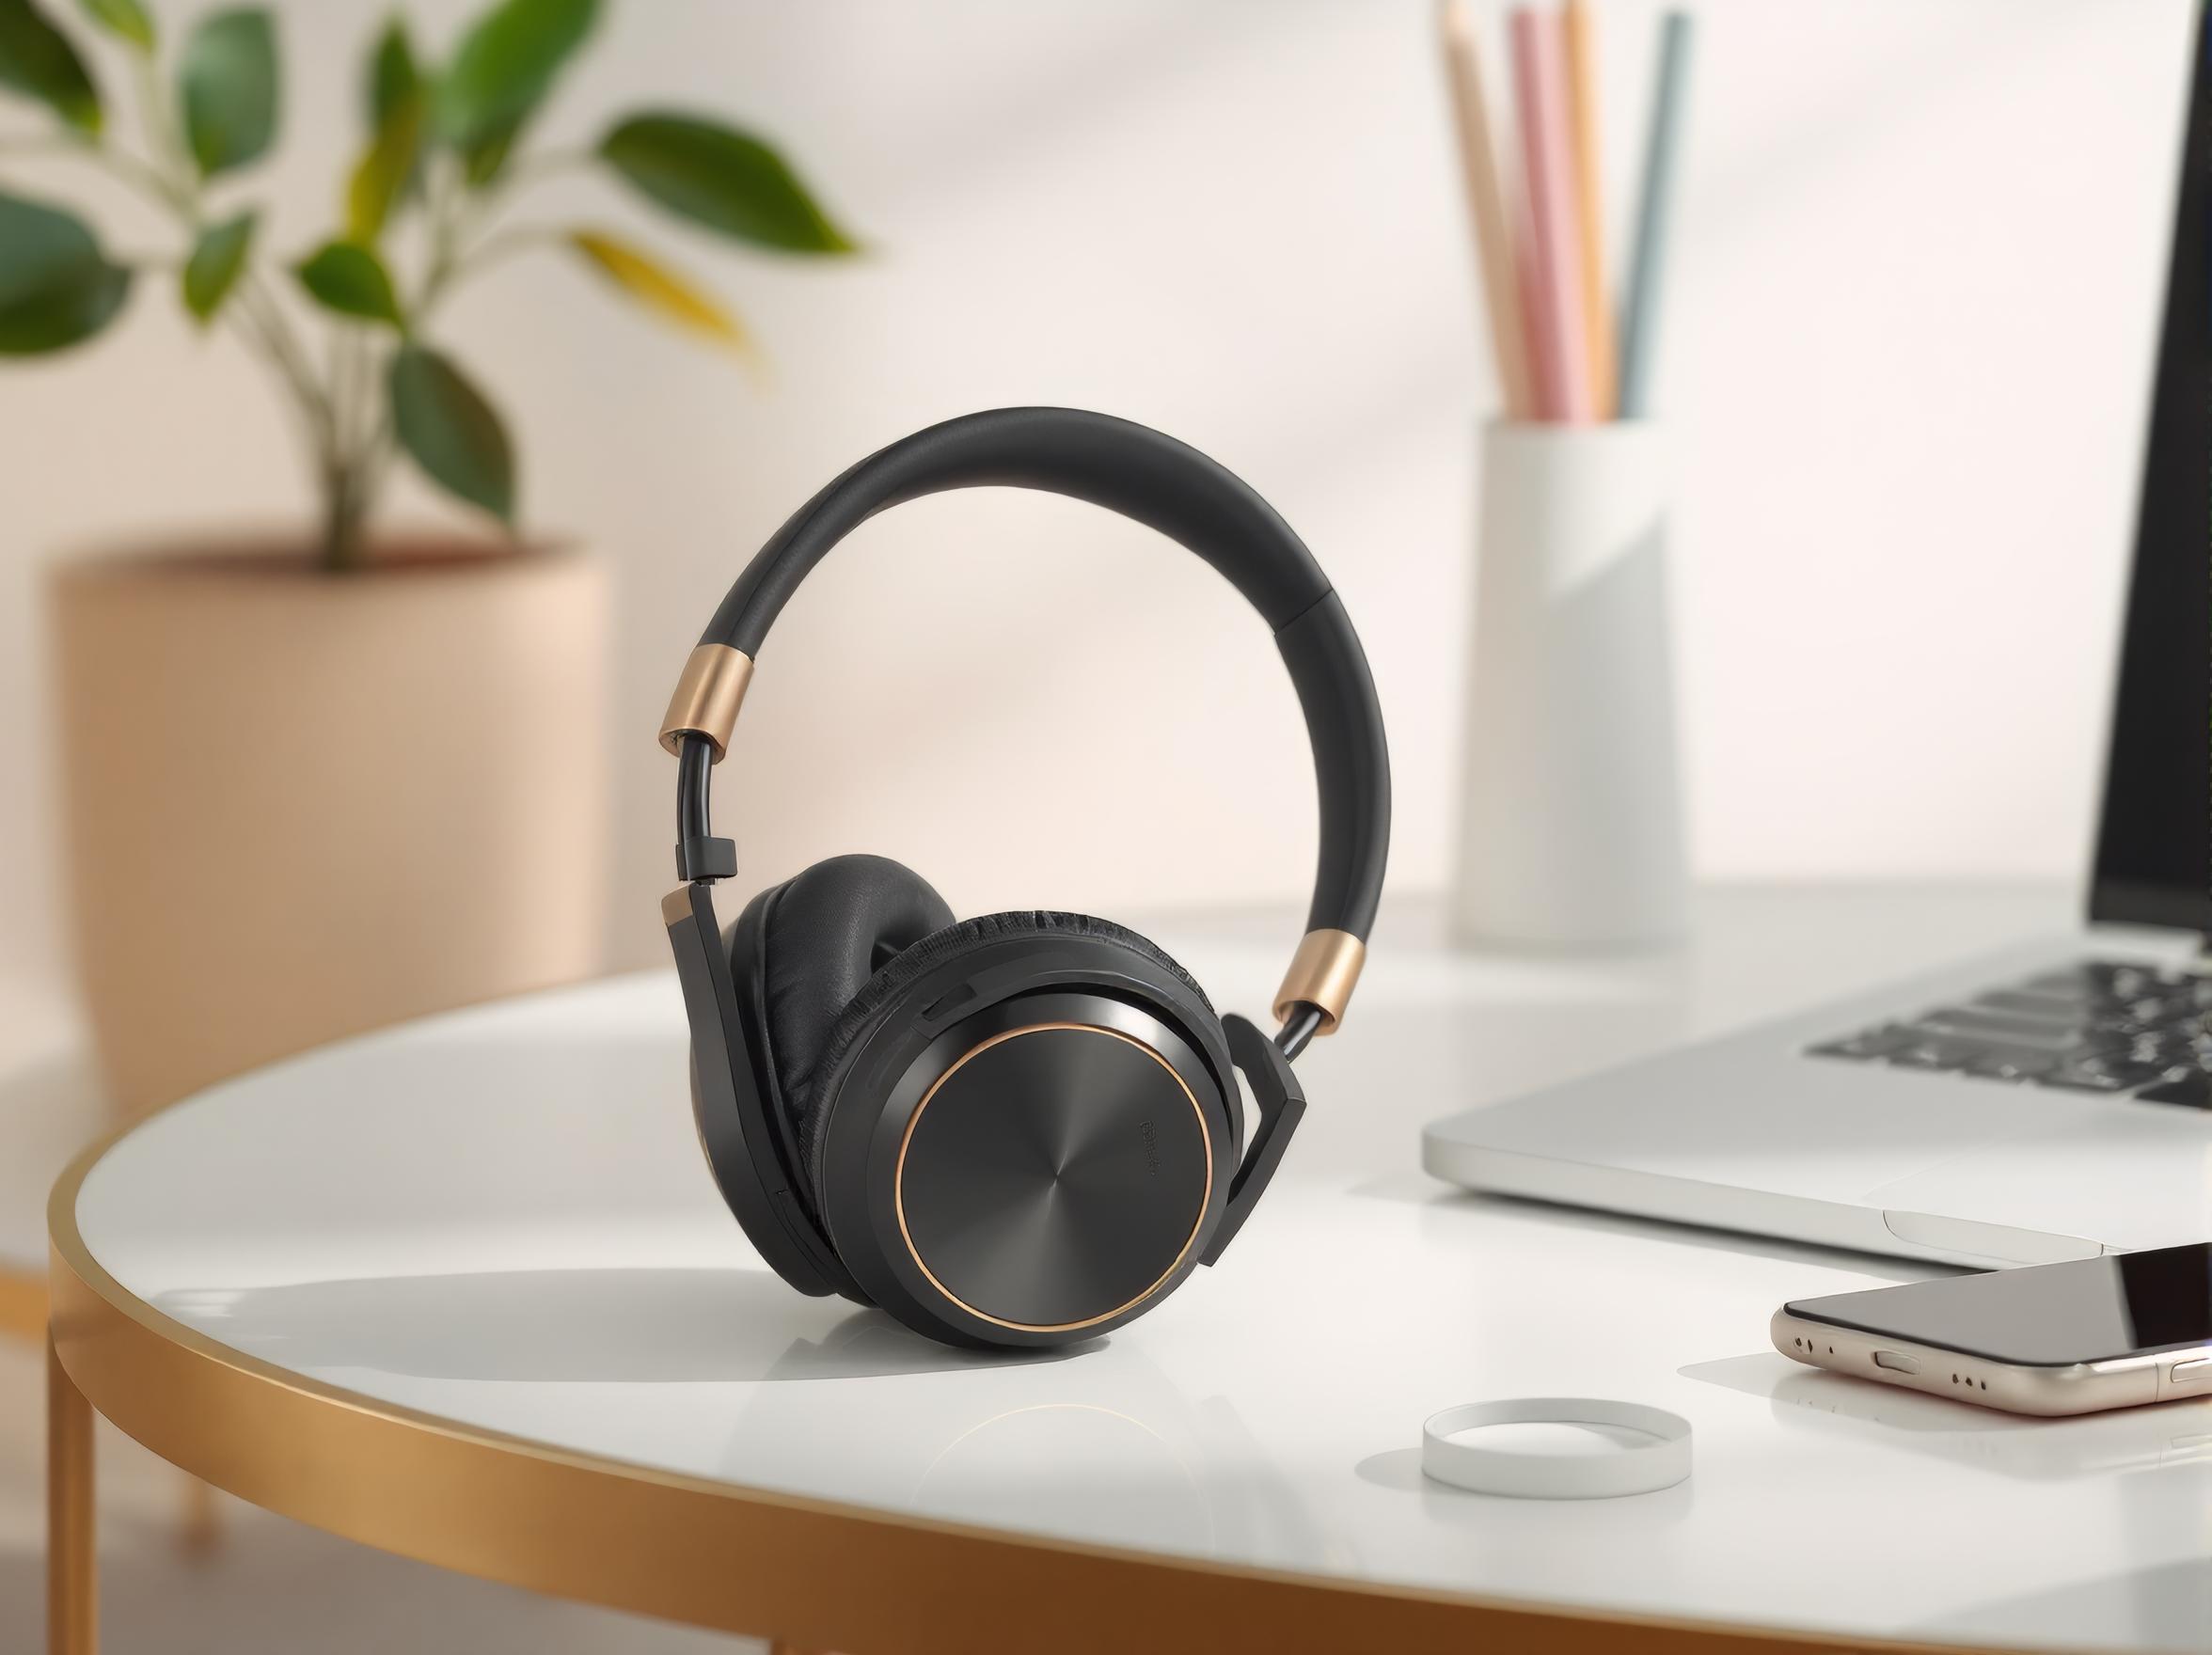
x: 500, y: 1217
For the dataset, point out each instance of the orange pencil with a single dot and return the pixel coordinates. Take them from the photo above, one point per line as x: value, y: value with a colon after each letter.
x: 1486, y: 208
x: 1582, y: 101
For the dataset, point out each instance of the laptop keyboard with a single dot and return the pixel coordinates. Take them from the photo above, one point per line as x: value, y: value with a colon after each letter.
x: 2123, y: 1029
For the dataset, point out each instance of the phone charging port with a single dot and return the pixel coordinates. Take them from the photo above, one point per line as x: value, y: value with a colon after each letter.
x: 1896, y: 1364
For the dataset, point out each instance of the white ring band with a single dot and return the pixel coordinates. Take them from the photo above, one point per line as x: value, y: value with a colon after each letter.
x: 1637, y: 1468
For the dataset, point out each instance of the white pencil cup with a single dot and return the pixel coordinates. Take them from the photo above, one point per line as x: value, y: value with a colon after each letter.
x: 1571, y: 830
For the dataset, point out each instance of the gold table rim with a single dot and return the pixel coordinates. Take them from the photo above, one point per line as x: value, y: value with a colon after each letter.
x: 731, y: 1558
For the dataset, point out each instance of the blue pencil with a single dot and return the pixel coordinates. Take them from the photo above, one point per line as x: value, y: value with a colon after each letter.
x: 1639, y: 324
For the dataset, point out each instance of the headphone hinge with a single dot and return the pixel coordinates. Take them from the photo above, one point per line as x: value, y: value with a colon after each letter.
x: 705, y: 858
x: 1280, y: 1102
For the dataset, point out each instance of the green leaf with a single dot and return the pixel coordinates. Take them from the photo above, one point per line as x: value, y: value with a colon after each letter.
x: 450, y: 431
x: 217, y: 258
x: 660, y: 289
x: 229, y: 77
x: 37, y: 59
x: 56, y: 288
x: 722, y: 179
x: 505, y: 65
x: 351, y: 280
x: 393, y: 77
x: 62, y: 315
x: 123, y: 18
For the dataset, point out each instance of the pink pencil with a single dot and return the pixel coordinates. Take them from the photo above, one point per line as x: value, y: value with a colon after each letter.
x: 1553, y: 297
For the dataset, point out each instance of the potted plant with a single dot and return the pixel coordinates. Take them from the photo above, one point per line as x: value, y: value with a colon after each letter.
x: 318, y: 784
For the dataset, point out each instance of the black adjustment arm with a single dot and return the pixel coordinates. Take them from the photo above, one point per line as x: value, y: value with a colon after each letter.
x: 732, y: 1129
x: 699, y: 853
x: 1281, y: 1103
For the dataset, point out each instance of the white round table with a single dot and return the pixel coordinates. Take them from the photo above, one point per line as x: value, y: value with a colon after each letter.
x: 464, y: 1290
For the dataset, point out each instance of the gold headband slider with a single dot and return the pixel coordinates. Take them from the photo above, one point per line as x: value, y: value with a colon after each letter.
x: 707, y: 697
x: 1323, y: 974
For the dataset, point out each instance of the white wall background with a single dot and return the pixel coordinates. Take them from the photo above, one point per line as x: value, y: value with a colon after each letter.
x: 1908, y: 359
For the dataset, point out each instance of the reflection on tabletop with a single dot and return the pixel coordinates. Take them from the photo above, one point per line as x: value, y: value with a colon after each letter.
x: 2127, y: 1438
x: 1154, y: 1467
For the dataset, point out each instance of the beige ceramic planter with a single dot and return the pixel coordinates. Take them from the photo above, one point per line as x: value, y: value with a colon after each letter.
x: 298, y: 806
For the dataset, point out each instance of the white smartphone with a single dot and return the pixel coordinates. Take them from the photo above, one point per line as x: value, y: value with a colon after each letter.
x: 2078, y: 1338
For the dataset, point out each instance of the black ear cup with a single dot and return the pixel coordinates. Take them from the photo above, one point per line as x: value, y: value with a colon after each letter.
x: 885, y: 985
x: 1021, y: 1130
x: 803, y: 950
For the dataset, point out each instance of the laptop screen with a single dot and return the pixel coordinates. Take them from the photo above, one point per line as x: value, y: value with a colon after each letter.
x: 2153, y: 860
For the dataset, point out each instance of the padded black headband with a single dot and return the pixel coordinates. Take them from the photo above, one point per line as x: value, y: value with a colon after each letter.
x: 1141, y: 473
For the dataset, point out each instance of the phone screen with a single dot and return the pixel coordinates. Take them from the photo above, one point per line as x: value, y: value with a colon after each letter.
x: 2087, y: 1310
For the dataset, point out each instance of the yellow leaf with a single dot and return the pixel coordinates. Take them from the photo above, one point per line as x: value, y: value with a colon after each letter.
x: 660, y: 289
x: 380, y: 176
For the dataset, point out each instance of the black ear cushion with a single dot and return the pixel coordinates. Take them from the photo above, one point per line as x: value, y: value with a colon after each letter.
x: 925, y: 956
x: 823, y: 935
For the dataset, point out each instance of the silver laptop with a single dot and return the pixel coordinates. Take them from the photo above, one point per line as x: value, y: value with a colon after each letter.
x: 2049, y: 1103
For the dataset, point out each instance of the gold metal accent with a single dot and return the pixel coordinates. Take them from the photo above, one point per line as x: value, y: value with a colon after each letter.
x: 898, y: 1177
x: 72, y: 1583
x: 1323, y: 974
x: 199, y: 1526
x: 199, y: 1532
x: 718, y: 1554
x: 676, y: 908
x: 707, y: 697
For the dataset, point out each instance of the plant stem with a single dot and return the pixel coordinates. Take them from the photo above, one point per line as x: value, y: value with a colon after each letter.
x: 525, y: 170
x: 457, y: 216
x: 345, y: 510
x: 473, y: 209
x: 363, y: 432
x: 257, y: 305
x: 341, y: 348
x: 496, y: 248
x: 142, y: 178
x: 442, y: 203
x: 173, y: 177
x: 172, y: 168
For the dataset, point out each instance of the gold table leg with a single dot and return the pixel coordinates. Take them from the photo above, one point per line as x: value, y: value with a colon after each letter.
x: 199, y: 1532
x: 72, y: 1587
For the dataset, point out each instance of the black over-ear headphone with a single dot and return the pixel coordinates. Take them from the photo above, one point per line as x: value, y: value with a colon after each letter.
x: 1022, y: 1129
